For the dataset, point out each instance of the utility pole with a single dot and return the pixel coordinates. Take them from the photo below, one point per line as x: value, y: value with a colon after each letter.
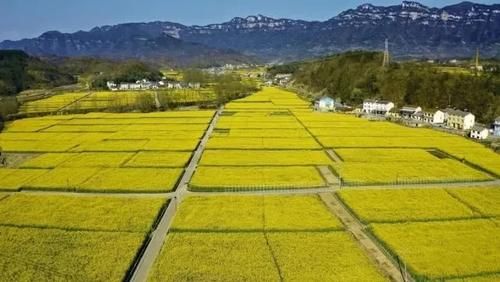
x: 477, y: 59
x: 387, y: 57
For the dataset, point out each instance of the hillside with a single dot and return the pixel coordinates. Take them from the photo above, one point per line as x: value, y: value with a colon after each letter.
x: 124, y: 42
x: 355, y: 76
x: 413, y: 29
x: 19, y: 71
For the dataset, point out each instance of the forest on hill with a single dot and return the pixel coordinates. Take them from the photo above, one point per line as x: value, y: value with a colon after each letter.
x: 19, y: 71
x: 358, y: 75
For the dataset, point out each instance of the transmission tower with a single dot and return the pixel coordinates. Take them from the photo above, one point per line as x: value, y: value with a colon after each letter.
x: 477, y: 59
x: 387, y: 57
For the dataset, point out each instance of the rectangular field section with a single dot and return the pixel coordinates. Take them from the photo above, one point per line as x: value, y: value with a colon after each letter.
x: 207, y: 178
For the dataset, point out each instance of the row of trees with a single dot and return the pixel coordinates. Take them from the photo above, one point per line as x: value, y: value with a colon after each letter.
x: 355, y: 76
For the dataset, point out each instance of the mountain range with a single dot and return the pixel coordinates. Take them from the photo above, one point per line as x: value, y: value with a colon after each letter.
x: 413, y: 30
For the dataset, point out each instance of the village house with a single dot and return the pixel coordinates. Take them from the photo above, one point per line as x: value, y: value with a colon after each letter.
x: 409, y: 111
x: 459, y: 119
x: 436, y: 117
x: 496, y: 127
x: 377, y: 107
x: 324, y: 104
x: 479, y: 131
x: 394, y: 113
x: 283, y: 79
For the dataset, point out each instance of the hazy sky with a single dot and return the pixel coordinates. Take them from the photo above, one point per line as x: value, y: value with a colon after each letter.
x: 29, y: 18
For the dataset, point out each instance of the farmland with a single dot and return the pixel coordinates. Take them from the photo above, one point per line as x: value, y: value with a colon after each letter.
x: 67, y: 238
x: 262, y: 226
x: 258, y: 144
x: 261, y: 190
x: 437, y: 233
x: 102, y: 152
x: 108, y: 100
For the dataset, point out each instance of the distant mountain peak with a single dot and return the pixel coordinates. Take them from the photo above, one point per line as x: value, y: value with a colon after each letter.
x: 414, y: 5
x: 415, y: 30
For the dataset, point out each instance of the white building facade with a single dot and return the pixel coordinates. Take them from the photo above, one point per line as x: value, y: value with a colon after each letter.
x: 479, y: 132
x: 377, y: 107
x: 459, y: 119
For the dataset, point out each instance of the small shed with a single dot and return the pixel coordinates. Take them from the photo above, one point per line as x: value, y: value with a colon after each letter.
x: 324, y: 104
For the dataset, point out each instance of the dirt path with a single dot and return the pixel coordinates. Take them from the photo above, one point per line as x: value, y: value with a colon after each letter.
x: 373, y: 249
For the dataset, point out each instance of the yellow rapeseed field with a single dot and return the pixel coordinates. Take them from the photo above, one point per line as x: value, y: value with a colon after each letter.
x: 276, y: 230
x: 113, y: 159
x: 14, y: 179
x: 405, y: 205
x: 255, y: 178
x: 132, y: 180
x: 254, y: 213
x: 159, y: 159
x: 446, y: 170
x: 262, y: 143
x: 49, y: 160
x: 264, y: 158
x: 33, y: 254
x: 486, y: 200
x: 444, y: 250
x: 385, y: 155
x: 80, y: 213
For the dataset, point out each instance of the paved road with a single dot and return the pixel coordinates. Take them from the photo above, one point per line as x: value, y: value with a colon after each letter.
x: 159, y: 235
x: 374, y: 250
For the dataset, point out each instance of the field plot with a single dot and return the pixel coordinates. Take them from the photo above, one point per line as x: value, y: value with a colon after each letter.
x: 30, y: 254
x: 393, y: 142
x: 385, y: 155
x: 262, y: 143
x: 446, y: 170
x: 132, y: 180
x: 444, y: 250
x: 480, y: 156
x: 51, y: 104
x: 80, y: 213
x: 262, y: 133
x: 14, y: 179
x: 159, y: 159
x: 49, y: 160
x: 245, y: 213
x: 484, y: 200
x: 207, y: 178
x: 281, y: 233
x: 405, y: 205
x: 72, y: 238
x: 264, y: 158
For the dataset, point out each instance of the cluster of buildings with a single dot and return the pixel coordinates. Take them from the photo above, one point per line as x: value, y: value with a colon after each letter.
x: 149, y: 85
x: 449, y: 118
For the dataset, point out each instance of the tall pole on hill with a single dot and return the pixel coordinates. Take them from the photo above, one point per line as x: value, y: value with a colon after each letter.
x: 387, y: 58
x: 477, y: 59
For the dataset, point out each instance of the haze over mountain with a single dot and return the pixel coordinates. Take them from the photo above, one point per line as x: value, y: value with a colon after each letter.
x: 414, y: 30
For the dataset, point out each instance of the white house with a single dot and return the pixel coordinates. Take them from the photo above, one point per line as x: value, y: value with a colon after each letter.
x: 371, y: 106
x: 436, y: 117
x: 479, y: 132
x: 496, y: 127
x: 324, y: 104
x: 409, y: 111
x: 459, y: 119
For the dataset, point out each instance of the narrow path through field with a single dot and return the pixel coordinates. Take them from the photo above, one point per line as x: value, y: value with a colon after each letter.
x: 159, y: 235
x: 374, y: 250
